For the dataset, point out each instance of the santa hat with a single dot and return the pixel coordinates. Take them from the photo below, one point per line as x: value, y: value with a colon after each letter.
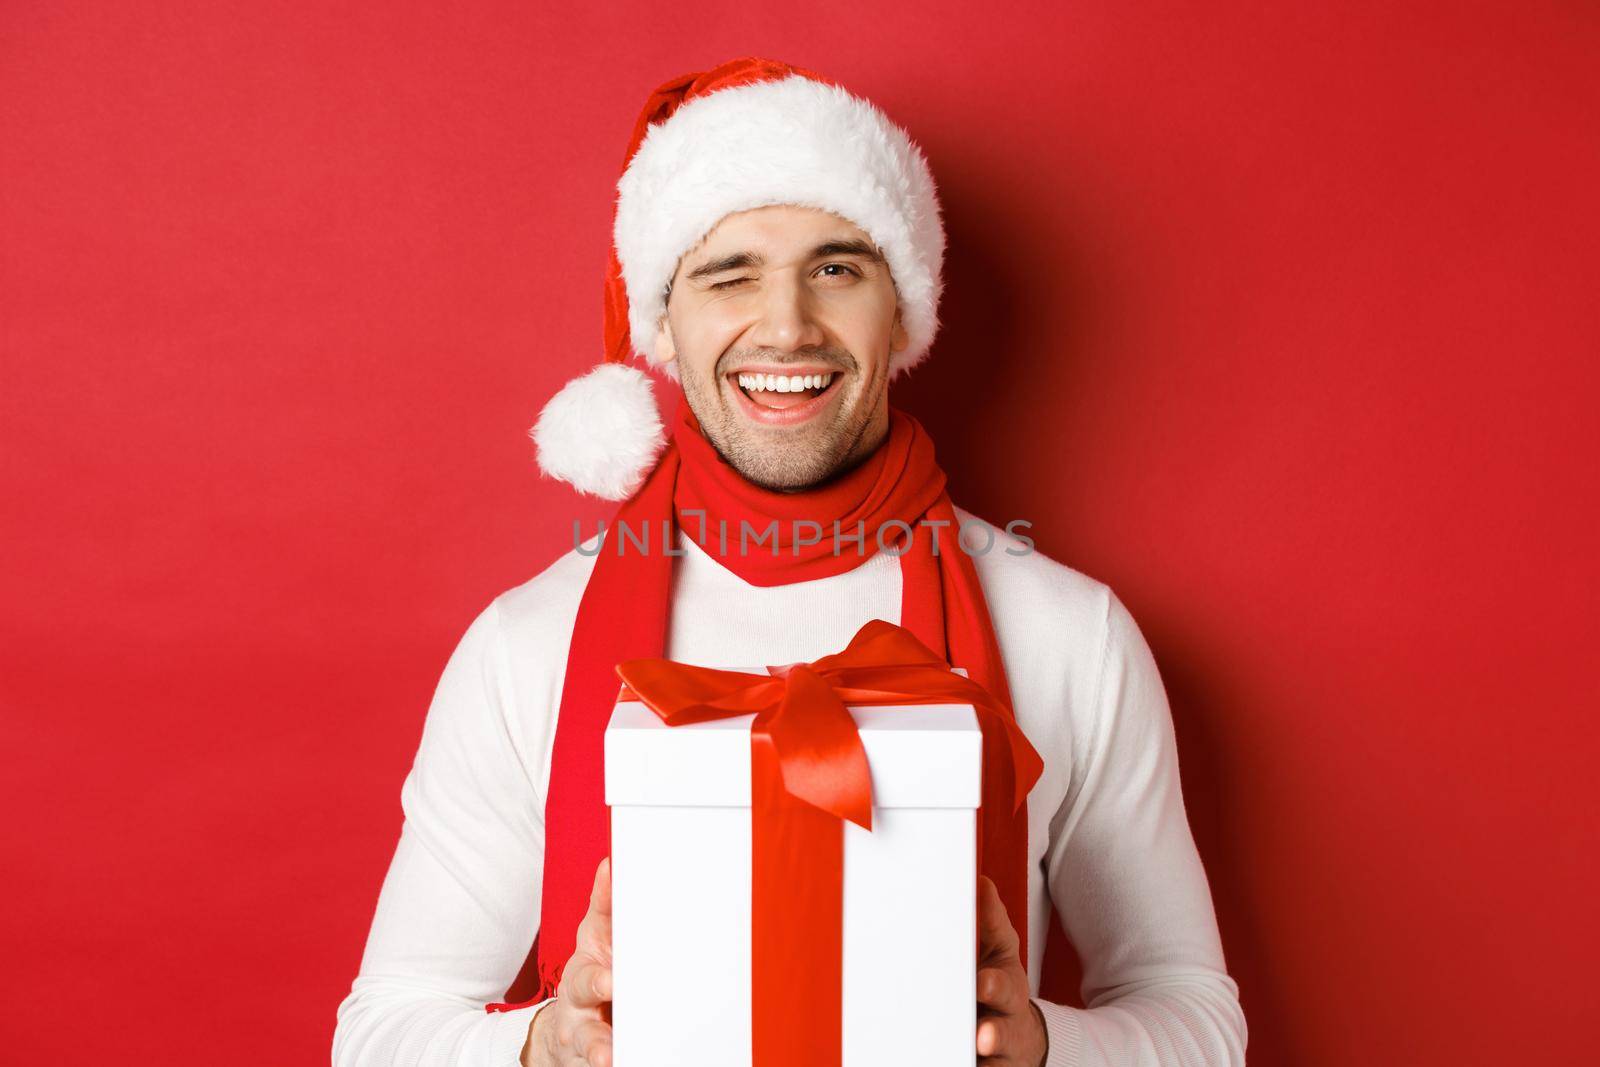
x: 749, y: 133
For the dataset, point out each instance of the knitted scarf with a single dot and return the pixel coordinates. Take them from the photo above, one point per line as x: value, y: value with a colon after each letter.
x: 623, y: 615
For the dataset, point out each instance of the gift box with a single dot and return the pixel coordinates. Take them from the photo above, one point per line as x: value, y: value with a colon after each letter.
x: 684, y: 903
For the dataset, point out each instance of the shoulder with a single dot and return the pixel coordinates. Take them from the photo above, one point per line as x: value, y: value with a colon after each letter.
x: 524, y: 625
x: 518, y: 644
x: 521, y: 636
x: 1038, y: 598
x: 542, y: 608
x: 534, y: 618
x: 1057, y: 627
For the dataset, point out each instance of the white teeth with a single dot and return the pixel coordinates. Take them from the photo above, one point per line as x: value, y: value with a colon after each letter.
x: 784, y: 383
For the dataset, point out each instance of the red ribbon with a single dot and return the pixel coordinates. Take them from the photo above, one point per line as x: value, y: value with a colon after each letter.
x: 808, y: 772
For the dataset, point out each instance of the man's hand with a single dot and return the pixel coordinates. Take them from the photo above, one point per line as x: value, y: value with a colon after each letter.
x: 1010, y: 1029
x: 575, y: 1030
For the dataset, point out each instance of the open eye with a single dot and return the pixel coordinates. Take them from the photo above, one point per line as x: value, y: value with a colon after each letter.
x: 845, y: 267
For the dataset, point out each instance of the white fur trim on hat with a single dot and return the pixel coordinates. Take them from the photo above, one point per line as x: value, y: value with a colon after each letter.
x: 789, y: 141
x: 602, y: 432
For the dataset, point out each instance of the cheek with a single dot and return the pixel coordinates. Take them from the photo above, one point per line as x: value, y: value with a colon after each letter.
x: 707, y: 332
x: 866, y: 327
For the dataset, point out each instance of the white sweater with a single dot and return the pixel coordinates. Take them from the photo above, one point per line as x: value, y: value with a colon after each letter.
x: 1110, y: 841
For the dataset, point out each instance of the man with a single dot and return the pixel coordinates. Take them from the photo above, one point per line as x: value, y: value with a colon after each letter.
x: 779, y: 253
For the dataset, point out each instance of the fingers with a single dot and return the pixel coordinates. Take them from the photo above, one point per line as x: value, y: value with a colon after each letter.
x: 591, y: 1040
x: 581, y: 1043
x: 1002, y: 984
x: 1002, y: 989
x: 585, y: 983
x: 997, y: 938
x: 992, y: 1034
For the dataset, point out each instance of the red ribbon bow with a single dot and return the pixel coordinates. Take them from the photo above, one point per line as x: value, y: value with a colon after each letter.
x: 809, y: 771
x: 801, y: 707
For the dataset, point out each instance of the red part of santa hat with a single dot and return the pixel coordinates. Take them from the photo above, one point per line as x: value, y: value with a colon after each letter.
x: 748, y: 133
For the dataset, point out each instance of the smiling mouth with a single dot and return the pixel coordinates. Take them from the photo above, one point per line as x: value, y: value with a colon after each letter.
x: 784, y: 399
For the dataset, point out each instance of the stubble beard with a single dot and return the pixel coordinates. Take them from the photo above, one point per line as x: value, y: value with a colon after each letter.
x: 789, y: 459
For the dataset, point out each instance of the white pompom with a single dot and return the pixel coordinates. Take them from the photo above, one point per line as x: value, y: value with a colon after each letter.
x: 602, y: 432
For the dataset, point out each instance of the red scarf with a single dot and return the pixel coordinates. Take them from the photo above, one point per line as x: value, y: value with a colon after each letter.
x: 624, y: 611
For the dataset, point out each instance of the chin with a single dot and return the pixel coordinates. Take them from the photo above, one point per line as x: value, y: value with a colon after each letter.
x: 791, y: 458
x: 781, y: 477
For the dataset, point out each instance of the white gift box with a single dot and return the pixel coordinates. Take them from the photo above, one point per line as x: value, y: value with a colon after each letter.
x: 681, y: 900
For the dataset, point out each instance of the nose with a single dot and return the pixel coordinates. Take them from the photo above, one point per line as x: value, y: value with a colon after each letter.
x: 787, y: 322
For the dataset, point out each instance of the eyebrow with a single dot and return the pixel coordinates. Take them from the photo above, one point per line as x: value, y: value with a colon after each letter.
x: 717, y: 266
x: 740, y: 260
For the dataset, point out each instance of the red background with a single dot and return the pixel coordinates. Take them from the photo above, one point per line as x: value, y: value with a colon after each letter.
x: 1277, y: 318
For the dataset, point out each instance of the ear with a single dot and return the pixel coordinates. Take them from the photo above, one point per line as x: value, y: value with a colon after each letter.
x: 665, y: 350
x: 899, y: 339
